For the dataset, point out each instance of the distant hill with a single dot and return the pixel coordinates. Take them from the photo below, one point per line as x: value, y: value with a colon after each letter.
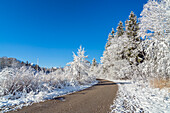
x: 9, y: 62
x: 13, y: 62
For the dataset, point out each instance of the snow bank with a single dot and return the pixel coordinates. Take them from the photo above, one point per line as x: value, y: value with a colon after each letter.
x: 140, y: 97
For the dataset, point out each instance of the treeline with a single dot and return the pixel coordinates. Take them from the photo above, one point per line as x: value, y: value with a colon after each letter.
x: 141, y: 48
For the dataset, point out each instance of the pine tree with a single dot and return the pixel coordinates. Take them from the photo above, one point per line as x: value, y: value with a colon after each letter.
x: 132, y: 53
x: 94, y: 63
x: 106, y: 55
x: 120, y: 30
x: 93, y: 67
x: 132, y: 26
x: 110, y: 36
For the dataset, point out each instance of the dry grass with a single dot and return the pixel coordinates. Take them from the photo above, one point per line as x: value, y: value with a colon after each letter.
x: 160, y: 83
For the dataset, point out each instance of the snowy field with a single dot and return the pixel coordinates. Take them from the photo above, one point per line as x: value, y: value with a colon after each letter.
x: 139, y: 97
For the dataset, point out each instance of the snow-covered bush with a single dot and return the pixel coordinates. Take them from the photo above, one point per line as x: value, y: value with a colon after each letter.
x: 22, y: 80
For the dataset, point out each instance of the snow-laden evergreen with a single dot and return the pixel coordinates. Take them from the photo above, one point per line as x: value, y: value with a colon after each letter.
x: 120, y: 29
x: 132, y: 26
x: 80, y: 67
x: 122, y: 55
x: 116, y: 63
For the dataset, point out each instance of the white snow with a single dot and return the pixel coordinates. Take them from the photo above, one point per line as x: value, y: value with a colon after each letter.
x: 139, y: 97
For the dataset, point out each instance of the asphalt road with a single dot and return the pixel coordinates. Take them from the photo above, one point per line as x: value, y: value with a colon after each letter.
x: 96, y: 99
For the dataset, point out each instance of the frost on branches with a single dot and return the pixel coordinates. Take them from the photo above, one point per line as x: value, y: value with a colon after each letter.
x: 121, y: 53
x: 80, y: 67
x: 155, y: 29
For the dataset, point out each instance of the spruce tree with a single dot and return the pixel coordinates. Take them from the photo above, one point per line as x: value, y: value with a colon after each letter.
x: 111, y: 35
x: 94, y: 63
x: 120, y: 30
x: 79, y: 67
x: 132, y: 26
x: 106, y: 55
x: 132, y: 51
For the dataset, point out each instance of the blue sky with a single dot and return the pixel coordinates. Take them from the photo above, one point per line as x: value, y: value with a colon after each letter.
x: 52, y: 29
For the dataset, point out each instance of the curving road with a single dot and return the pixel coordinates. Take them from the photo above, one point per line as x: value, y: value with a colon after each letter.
x: 96, y: 99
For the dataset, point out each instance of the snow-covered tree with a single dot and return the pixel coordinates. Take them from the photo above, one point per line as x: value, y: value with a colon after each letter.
x: 113, y: 61
x: 106, y: 56
x: 94, y: 63
x: 94, y: 70
x: 132, y: 26
x: 123, y: 54
x: 119, y: 29
x: 155, y: 20
x: 132, y: 53
x: 154, y: 28
x: 79, y: 68
x: 110, y: 36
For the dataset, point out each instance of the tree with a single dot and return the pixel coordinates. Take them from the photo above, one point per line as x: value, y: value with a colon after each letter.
x: 79, y: 68
x: 94, y: 63
x: 106, y: 56
x: 110, y: 37
x: 132, y: 53
x: 94, y: 68
x: 132, y: 26
x: 154, y: 28
x: 120, y: 30
x: 155, y: 20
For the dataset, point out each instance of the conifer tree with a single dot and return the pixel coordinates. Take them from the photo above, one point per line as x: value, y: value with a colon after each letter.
x: 132, y: 53
x: 94, y: 63
x: 111, y: 35
x: 120, y: 30
x: 132, y: 26
x: 79, y: 67
x: 106, y: 55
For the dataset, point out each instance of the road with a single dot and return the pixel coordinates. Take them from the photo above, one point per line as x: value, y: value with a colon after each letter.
x: 96, y: 99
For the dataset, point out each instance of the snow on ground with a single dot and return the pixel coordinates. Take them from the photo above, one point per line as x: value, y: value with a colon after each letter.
x: 7, y: 105
x: 140, y: 97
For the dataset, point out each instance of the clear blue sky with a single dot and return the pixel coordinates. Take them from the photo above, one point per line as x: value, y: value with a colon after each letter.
x: 51, y: 29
